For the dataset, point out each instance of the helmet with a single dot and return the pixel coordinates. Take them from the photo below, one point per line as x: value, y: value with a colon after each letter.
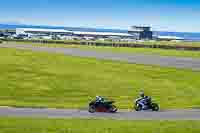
x: 97, y: 97
x: 142, y: 93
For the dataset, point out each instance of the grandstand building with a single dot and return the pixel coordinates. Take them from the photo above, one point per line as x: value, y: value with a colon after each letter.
x: 135, y: 32
x: 141, y: 33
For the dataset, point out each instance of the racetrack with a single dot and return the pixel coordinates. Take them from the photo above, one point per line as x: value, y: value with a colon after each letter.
x: 177, y: 62
x: 83, y: 114
x: 121, y: 115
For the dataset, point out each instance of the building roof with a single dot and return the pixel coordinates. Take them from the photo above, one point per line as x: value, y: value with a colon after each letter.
x: 44, y: 30
x: 139, y: 28
x: 101, y: 33
x: 74, y: 32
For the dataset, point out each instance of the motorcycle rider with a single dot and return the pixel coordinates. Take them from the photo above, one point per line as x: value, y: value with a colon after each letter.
x: 143, y: 100
x: 99, y: 99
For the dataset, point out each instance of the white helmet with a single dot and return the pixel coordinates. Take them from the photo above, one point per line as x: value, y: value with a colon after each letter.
x: 142, y: 93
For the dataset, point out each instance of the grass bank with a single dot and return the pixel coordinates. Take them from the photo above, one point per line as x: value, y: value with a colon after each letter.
x: 36, y: 79
x: 166, y: 43
x: 146, y: 51
x: 25, y: 125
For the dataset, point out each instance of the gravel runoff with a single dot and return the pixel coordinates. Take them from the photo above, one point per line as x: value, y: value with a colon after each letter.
x: 176, y: 62
x: 83, y: 114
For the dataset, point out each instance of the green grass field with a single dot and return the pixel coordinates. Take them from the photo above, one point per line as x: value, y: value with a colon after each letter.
x: 172, y: 43
x: 35, y: 79
x: 147, y: 51
x: 152, y: 42
x: 25, y: 125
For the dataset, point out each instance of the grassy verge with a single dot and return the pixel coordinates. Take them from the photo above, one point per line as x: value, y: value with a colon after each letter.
x: 25, y: 125
x: 172, y: 43
x: 109, y: 43
x: 35, y: 79
x: 147, y: 51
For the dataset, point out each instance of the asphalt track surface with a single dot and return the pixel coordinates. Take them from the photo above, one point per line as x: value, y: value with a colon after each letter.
x: 176, y: 62
x: 83, y: 114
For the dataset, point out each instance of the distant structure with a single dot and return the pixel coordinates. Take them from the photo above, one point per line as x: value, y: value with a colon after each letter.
x: 73, y: 35
x: 42, y: 31
x: 135, y: 33
x: 66, y: 32
x: 141, y: 32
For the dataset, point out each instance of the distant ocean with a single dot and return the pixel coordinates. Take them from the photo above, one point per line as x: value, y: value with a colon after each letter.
x: 188, y: 36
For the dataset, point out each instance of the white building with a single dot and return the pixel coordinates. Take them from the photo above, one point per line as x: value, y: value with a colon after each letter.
x: 42, y: 31
x: 105, y: 34
x: 70, y: 35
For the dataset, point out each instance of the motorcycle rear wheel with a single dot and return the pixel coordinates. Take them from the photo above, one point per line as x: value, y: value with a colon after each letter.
x: 91, y: 109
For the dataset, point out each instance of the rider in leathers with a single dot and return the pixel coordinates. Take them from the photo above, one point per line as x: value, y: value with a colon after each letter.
x: 143, y: 100
x: 99, y: 99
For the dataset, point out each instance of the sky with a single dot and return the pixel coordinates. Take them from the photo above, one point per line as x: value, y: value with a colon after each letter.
x: 165, y: 15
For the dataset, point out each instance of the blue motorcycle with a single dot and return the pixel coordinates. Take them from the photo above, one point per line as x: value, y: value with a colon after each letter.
x: 146, y: 104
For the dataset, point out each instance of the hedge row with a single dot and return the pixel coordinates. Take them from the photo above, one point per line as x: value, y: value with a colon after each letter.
x: 113, y: 44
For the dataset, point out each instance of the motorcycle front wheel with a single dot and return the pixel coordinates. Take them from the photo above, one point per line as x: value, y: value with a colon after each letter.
x: 113, y: 109
x: 154, y: 107
x: 138, y: 107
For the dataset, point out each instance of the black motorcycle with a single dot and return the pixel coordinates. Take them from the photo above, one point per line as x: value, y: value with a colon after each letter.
x: 149, y: 105
x: 106, y: 106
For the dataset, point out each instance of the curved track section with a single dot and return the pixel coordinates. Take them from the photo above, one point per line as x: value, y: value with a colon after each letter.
x: 177, y: 62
